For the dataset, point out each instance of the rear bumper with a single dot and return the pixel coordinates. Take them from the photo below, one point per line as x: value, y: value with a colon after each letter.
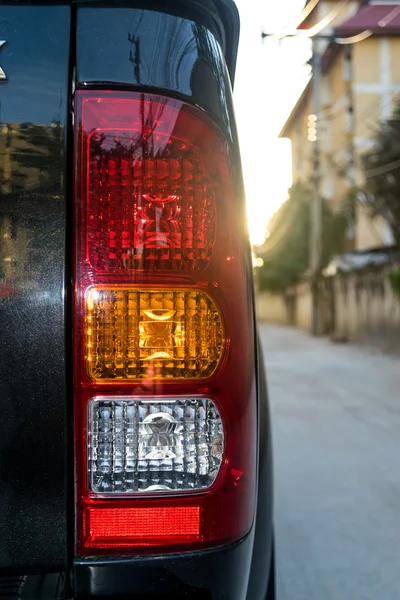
x: 220, y: 573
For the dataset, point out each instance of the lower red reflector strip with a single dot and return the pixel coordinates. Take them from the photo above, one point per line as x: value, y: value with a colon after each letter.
x: 125, y: 527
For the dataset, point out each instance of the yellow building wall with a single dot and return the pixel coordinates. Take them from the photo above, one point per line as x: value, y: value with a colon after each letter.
x: 366, y: 61
x: 337, y: 77
x: 301, y: 147
x: 336, y: 134
x: 395, y: 54
x: 367, y: 108
x: 336, y: 123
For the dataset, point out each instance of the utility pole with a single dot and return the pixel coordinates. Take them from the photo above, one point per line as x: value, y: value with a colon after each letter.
x: 316, y: 213
x: 316, y: 204
x: 134, y: 55
x: 316, y: 233
x: 351, y: 172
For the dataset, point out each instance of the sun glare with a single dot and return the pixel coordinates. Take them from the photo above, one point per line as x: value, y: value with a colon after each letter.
x: 269, y: 78
x: 263, y: 200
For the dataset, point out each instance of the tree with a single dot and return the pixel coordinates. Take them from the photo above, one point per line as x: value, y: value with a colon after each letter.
x: 382, y: 174
x: 286, y: 250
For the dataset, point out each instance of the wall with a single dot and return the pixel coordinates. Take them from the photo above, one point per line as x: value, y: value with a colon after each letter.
x: 272, y: 308
x: 359, y: 306
x: 301, y: 148
x: 293, y: 308
x: 366, y: 308
x: 303, y: 307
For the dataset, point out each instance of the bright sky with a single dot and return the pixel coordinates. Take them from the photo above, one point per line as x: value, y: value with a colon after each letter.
x: 270, y: 77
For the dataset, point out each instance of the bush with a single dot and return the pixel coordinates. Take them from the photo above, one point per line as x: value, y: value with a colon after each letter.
x: 382, y: 174
x: 286, y: 250
x: 394, y: 277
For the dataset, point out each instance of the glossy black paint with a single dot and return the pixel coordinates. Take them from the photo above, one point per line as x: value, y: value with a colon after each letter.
x: 33, y: 115
x: 216, y: 574
x: 43, y: 586
x: 219, y: 16
x: 178, y: 54
x: 173, y: 54
x: 153, y: 50
x: 262, y: 551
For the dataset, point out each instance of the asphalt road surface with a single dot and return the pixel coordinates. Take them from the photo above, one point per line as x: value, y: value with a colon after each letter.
x: 336, y: 427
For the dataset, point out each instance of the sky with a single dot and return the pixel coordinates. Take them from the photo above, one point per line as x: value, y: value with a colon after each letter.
x: 270, y: 76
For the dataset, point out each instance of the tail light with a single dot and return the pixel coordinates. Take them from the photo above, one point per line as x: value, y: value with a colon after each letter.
x: 165, y: 408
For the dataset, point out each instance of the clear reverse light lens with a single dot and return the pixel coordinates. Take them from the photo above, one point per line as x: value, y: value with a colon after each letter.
x: 153, y: 445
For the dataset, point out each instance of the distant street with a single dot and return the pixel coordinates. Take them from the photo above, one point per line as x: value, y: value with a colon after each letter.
x: 336, y: 425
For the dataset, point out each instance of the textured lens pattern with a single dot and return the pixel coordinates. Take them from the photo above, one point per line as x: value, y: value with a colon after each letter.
x: 139, y: 334
x: 153, y: 446
x: 151, y: 203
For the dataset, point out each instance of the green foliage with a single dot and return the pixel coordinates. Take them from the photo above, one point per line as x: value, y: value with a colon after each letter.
x: 286, y: 251
x: 382, y: 172
x: 394, y: 277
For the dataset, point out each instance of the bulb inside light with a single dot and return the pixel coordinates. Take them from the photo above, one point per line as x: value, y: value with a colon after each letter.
x: 158, y: 432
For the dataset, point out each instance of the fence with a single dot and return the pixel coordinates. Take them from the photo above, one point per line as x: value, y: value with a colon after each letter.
x: 358, y: 305
x: 366, y: 308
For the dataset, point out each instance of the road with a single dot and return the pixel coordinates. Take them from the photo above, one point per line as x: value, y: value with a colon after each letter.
x: 336, y: 428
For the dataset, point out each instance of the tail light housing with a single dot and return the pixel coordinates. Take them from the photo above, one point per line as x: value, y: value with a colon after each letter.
x: 164, y: 375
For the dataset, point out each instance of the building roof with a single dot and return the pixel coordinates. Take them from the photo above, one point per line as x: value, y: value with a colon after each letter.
x: 296, y: 110
x: 363, y: 259
x: 380, y: 19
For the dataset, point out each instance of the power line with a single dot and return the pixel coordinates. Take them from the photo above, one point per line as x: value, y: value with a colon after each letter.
x: 330, y: 114
x: 373, y: 104
x: 325, y: 115
x: 382, y: 169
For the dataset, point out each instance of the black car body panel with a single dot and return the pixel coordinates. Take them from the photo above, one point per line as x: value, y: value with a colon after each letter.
x: 262, y: 551
x: 153, y: 51
x: 183, y: 50
x: 33, y: 116
x: 220, y: 16
x: 221, y: 573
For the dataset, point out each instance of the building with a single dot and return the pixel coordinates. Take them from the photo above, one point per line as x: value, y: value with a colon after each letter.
x: 359, y: 87
x: 23, y: 147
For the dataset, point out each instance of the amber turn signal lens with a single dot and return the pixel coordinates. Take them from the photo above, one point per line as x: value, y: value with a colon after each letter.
x: 157, y: 334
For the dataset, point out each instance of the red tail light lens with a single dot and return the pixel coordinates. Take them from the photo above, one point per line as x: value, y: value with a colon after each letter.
x: 165, y: 405
x: 150, y: 192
